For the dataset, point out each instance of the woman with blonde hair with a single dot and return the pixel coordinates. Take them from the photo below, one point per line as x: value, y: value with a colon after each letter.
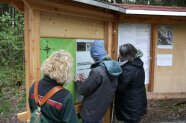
x: 59, y: 108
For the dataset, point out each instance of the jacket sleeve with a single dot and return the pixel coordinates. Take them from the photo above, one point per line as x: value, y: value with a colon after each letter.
x: 90, y: 84
x: 68, y: 114
x: 31, y: 102
x: 124, y: 80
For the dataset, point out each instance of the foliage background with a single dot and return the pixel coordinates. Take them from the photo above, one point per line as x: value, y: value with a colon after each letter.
x: 12, y: 85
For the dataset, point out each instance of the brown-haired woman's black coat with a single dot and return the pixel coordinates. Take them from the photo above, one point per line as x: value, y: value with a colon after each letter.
x: 130, y: 100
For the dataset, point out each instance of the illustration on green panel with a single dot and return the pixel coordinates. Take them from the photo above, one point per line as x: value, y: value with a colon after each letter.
x: 47, y: 49
x: 49, y: 45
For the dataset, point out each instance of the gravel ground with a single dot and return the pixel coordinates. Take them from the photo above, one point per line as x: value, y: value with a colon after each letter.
x: 165, y: 111
x: 159, y: 111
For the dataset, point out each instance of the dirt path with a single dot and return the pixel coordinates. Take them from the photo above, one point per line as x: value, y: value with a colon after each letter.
x: 159, y: 111
x: 166, y: 111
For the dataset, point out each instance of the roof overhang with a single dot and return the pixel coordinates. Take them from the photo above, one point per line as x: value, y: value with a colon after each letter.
x: 102, y: 5
x: 140, y: 11
x: 126, y: 9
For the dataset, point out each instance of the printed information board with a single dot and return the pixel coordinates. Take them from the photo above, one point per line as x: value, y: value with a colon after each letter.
x: 139, y: 36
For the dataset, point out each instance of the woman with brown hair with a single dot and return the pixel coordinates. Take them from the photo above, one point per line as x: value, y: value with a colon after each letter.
x: 130, y: 98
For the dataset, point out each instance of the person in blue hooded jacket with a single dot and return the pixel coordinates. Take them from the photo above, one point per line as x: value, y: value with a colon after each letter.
x: 100, y: 86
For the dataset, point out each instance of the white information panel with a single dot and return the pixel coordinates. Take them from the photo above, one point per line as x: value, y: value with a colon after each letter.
x: 164, y: 59
x: 138, y: 35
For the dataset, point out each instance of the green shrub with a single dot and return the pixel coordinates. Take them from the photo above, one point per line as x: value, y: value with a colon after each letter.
x: 12, y: 73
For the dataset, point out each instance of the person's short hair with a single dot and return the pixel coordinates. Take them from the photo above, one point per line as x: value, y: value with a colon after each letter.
x: 127, y: 52
x: 58, y: 67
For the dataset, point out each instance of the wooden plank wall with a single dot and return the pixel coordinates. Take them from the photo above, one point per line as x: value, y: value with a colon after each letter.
x: 65, y: 26
x: 172, y: 79
x: 70, y: 8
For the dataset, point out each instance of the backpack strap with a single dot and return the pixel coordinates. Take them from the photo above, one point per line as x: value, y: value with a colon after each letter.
x: 36, y: 98
x: 47, y: 96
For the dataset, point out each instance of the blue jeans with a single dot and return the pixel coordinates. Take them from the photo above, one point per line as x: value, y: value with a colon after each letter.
x: 84, y: 121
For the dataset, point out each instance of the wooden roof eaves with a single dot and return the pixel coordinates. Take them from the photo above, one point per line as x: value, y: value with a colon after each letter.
x: 68, y: 9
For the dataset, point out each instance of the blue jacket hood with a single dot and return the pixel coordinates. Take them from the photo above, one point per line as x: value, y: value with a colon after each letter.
x: 97, y: 50
x: 112, y: 67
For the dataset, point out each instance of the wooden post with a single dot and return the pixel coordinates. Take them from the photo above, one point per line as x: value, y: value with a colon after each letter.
x: 111, y: 38
x: 108, y: 45
x: 115, y: 36
x: 27, y: 58
x: 34, y: 40
x: 108, y: 37
x: 106, y: 118
x: 32, y: 51
x: 152, y: 56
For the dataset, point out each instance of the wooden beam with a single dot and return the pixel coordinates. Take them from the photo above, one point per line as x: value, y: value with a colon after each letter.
x: 106, y: 118
x: 27, y: 53
x: 52, y: 7
x: 155, y: 96
x: 32, y: 53
x: 152, y: 56
x: 115, y: 25
x: 32, y: 49
x: 22, y: 116
x: 115, y: 40
x: 36, y: 38
x: 108, y: 37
